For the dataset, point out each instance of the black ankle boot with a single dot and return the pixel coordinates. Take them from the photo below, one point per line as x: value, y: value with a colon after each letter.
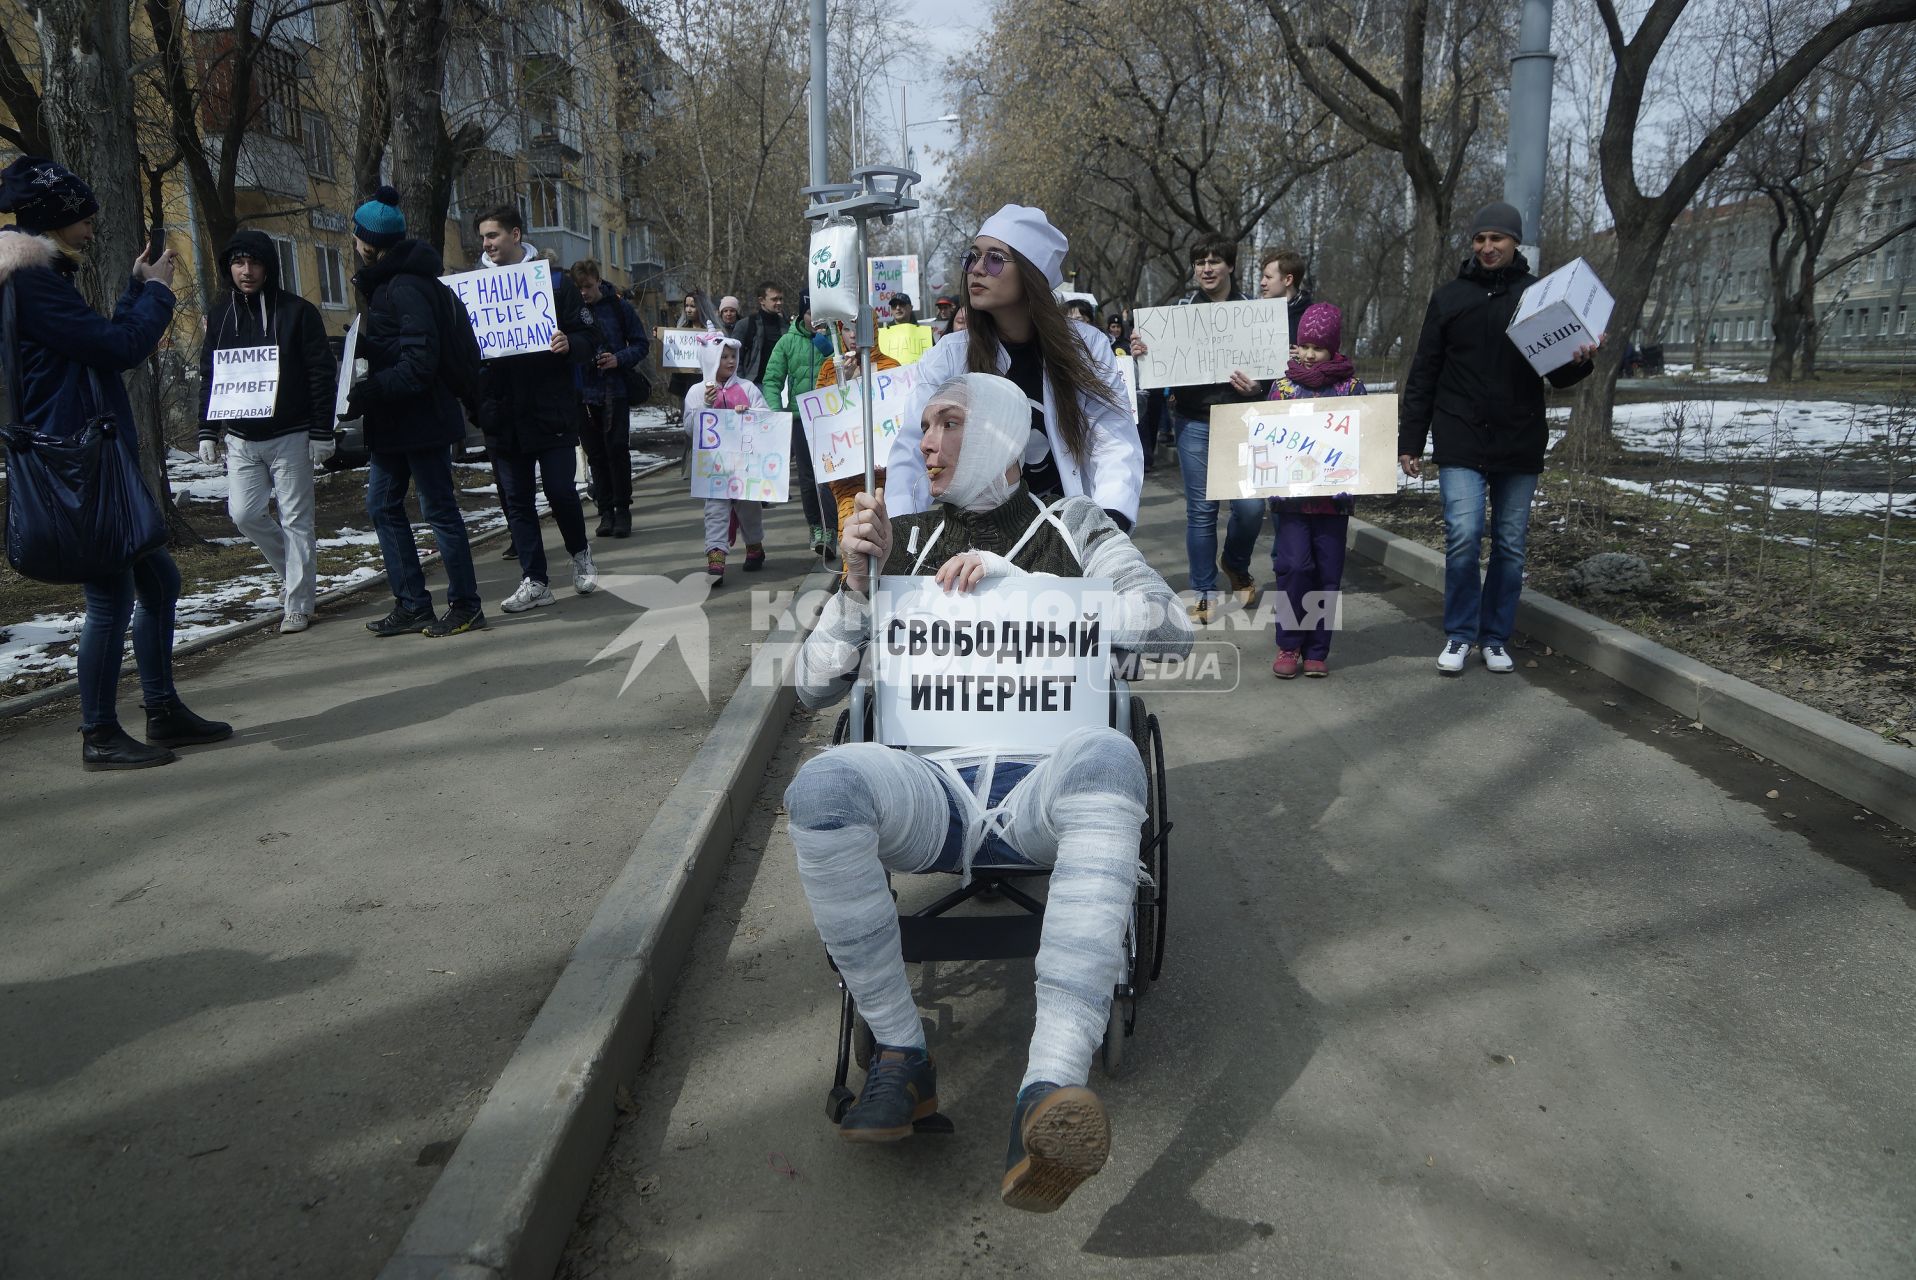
x: 622, y: 522
x: 111, y: 747
x: 171, y: 724
x: 605, y: 523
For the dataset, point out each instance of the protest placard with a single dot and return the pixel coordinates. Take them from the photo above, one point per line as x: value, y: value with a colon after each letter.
x: 511, y: 308
x: 1128, y: 371
x: 895, y: 274
x: 245, y: 383
x: 1567, y: 309
x: 741, y: 453
x: 679, y: 350
x: 348, y: 354
x: 835, y: 422
x: 1019, y: 662
x: 1201, y: 343
x: 1314, y: 448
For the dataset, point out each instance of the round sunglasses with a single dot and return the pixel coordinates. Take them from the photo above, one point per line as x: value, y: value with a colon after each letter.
x: 994, y: 260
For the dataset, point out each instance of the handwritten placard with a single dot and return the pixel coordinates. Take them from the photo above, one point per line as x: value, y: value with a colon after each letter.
x: 1312, y: 448
x: 511, y: 308
x: 679, y: 350
x: 835, y: 422
x: 1203, y: 342
x: 741, y: 453
x: 1018, y: 662
x: 895, y: 274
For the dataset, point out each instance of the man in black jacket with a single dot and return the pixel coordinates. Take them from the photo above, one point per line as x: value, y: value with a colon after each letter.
x: 759, y: 332
x: 1474, y: 395
x: 619, y: 345
x: 529, y: 411
x: 277, y: 428
x: 412, y: 418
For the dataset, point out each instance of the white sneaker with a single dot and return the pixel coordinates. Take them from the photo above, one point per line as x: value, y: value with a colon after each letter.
x: 530, y: 595
x: 585, y: 575
x: 294, y: 621
x: 1497, y: 659
x: 1451, y: 661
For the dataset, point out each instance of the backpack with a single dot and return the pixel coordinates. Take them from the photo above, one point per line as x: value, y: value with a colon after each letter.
x: 459, y: 360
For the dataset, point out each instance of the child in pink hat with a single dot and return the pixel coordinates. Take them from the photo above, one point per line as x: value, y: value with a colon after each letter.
x: 1307, y: 555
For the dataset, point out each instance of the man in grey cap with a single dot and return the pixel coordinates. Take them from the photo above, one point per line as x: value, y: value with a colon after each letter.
x: 1472, y: 394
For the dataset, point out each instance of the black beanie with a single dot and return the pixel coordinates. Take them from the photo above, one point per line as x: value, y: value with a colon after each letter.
x: 1499, y: 217
x: 44, y: 195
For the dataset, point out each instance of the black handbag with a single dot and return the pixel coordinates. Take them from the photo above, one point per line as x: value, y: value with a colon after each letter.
x: 638, y: 387
x: 78, y: 509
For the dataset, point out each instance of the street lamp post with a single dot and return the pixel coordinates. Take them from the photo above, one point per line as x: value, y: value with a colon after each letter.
x: 905, y: 159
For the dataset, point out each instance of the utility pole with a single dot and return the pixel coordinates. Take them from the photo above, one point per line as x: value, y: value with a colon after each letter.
x: 1531, y: 72
x: 821, y: 164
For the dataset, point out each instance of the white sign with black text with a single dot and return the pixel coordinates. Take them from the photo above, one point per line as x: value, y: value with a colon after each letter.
x: 1567, y: 309
x: 245, y: 383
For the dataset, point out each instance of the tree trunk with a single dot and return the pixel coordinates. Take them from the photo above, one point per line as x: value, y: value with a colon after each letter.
x: 374, y: 125
x: 1638, y: 248
x: 417, y: 35
x: 1430, y: 220
x: 87, y: 107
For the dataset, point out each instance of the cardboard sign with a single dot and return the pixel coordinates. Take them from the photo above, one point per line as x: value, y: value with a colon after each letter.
x: 245, y: 383
x: 679, y: 350
x: 1567, y: 309
x: 1313, y: 448
x: 895, y: 274
x: 835, y: 422
x: 1019, y: 662
x: 741, y: 453
x: 1201, y: 343
x: 511, y: 308
x: 348, y: 355
x: 1128, y: 373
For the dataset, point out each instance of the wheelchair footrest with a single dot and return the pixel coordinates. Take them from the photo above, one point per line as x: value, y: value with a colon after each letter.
x: 1002, y: 937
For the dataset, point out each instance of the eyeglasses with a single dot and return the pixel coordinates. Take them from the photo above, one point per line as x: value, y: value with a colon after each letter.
x: 994, y: 260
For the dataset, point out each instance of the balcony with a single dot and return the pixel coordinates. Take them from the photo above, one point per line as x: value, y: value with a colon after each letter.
x: 269, y: 165
x: 557, y: 130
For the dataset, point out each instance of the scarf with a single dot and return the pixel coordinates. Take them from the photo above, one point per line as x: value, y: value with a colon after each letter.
x: 1325, y: 373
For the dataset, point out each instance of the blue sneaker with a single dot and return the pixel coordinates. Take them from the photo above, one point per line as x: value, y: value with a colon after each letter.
x: 902, y: 1086
x: 1059, y: 1137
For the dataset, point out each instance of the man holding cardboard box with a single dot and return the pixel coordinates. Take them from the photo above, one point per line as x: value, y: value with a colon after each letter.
x: 1473, y: 393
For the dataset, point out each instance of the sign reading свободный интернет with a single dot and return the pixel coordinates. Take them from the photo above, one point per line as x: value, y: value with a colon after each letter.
x: 1201, y: 343
x: 511, y: 308
x: 1018, y: 663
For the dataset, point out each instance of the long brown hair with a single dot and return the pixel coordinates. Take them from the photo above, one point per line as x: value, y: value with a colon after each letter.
x: 1067, y: 366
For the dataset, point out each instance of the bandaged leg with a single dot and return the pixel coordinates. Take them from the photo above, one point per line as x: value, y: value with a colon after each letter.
x: 1079, y: 810
x: 855, y: 811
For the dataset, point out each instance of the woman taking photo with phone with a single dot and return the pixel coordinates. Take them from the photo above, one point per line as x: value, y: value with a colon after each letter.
x: 65, y: 364
x: 1083, y: 438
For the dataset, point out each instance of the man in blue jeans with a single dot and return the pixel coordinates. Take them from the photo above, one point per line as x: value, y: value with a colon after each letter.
x: 1213, y: 267
x: 1472, y: 393
x: 412, y: 419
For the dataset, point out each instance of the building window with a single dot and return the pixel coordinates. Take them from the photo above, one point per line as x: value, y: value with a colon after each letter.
x: 597, y: 256
x: 278, y: 90
x: 1862, y: 322
x: 1882, y: 324
x: 288, y: 263
x: 1889, y: 265
x: 332, y: 277
x: 318, y: 140
x: 1869, y: 267
x: 1849, y: 322
x: 556, y: 205
x: 1902, y: 321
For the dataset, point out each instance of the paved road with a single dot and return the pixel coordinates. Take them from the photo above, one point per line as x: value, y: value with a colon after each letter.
x: 249, y: 1001
x: 1502, y: 976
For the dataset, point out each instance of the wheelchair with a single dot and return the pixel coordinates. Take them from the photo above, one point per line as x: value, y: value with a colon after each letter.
x: 938, y: 932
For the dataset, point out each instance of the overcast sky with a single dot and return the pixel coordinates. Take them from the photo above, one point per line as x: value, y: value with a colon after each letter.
x: 937, y: 29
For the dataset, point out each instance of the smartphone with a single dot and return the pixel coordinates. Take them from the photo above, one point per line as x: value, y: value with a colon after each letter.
x: 155, y: 244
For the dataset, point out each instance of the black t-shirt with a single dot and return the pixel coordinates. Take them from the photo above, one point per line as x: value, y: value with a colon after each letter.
x: 1027, y: 370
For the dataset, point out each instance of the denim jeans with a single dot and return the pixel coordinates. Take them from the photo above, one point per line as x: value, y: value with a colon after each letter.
x: 143, y: 596
x: 387, y: 478
x: 559, y: 473
x: 1200, y: 513
x: 280, y: 470
x: 1483, y: 612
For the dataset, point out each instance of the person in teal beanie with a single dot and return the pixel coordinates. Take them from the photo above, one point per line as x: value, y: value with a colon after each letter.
x: 791, y: 371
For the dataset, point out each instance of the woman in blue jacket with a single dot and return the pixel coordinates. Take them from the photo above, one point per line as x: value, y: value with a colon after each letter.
x: 60, y: 339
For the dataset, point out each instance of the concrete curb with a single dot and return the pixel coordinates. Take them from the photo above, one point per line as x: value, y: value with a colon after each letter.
x: 1830, y: 752
x: 220, y: 635
x: 507, y: 1201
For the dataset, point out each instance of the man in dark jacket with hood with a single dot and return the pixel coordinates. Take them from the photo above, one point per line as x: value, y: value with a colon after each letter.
x: 759, y: 332
x: 529, y: 411
x: 412, y: 418
x: 619, y: 344
x: 276, y: 431
x: 1472, y: 392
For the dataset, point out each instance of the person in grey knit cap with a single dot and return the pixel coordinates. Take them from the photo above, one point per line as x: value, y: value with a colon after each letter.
x: 1474, y: 397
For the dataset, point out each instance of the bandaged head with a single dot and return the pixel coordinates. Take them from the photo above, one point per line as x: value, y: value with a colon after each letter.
x: 997, y: 425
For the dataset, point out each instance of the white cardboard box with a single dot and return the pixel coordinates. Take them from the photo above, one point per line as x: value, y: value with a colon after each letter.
x: 1567, y: 309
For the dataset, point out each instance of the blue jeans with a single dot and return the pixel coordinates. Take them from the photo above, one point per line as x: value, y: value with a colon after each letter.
x: 143, y: 596
x: 559, y: 472
x: 387, y: 478
x: 1483, y: 613
x: 1200, y: 513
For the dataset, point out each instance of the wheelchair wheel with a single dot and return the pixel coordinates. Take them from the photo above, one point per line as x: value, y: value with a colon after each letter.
x: 1161, y: 818
x: 1114, y: 1034
x: 842, y: 730
x: 1147, y: 921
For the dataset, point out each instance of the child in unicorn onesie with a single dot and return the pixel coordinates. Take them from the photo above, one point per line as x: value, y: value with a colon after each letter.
x: 862, y: 809
x: 1307, y: 553
x: 723, y: 389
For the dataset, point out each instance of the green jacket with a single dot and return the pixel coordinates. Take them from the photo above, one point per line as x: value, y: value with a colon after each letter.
x: 794, y: 360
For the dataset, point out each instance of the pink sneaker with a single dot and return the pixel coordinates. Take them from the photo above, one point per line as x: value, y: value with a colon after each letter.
x: 1285, y: 668
x: 1316, y: 668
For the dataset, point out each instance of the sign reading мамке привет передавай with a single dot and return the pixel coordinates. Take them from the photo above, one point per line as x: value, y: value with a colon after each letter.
x: 1017, y: 664
x: 1202, y: 343
x: 511, y: 308
x: 245, y: 384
